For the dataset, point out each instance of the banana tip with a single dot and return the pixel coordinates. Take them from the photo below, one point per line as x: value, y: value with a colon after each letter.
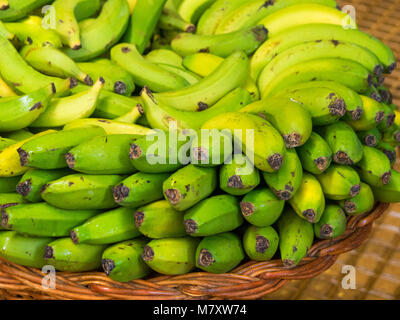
x: 326, y: 231
x: 23, y: 157
x: 386, y: 177
x: 48, y: 253
x: 5, y: 6
x: 139, y: 218
x: 206, y: 258
x: 262, y: 244
x: 355, y: 190
x: 108, y: 266
x: 275, y: 161
x: 191, y: 226
x: 247, y: 208
x: 148, y: 253
x: 24, y: 188
x: 310, y: 215
x: 120, y: 87
x: 173, y: 195
x: 120, y: 193
x: 135, y: 152
x: 74, y: 237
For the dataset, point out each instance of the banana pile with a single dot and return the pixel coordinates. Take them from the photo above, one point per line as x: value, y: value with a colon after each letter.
x: 87, y: 89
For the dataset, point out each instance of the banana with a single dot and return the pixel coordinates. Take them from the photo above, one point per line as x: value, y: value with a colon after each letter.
x: 171, y: 20
x: 33, y: 181
x: 389, y: 192
x: 343, y: 142
x: 263, y: 144
x: 202, y: 63
x: 316, y: 32
x: 309, y: 201
x: 81, y: 192
x: 285, y: 182
x: 62, y: 111
x: 250, y: 13
x: 103, y: 32
x: 5, y: 142
x: 159, y: 220
x: 361, y: 203
x: 8, y: 184
x: 339, y: 182
x: 108, y: 227
x: 18, y: 135
x: 145, y: 73
x: 238, y: 177
x: 105, y: 154
x: 189, y: 76
x: 291, y: 119
x: 371, y: 137
x: 374, y: 167
x: 388, y: 120
x: 140, y: 189
x: 332, y: 224
x: 143, y: 22
x: 5, y: 89
x: 192, y: 10
x: 42, y: 220
x: 388, y: 150
x: 246, y: 40
x: 164, y: 56
x: 26, y: 251
x: 4, y: 32
x: 260, y: 243
x: 315, y: 154
x: 10, y: 199
x: 296, y: 236
x: 349, y: 73
x: 213, y: 216
x: 261, y: 207
x: 219, y: 253
x: 54, y: 62
x: 10, y: 164
x: 18, y: 9
x: 123, y: 261
x: 132, y: 116
x: 48, y: 151
x: 171, y: 256
x: 64, y: 255
x: 67, y: 15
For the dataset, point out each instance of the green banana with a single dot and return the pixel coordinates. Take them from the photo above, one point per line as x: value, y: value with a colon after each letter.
x: 309, y: 201
x: 291, y: 119
x: 65, y: 255
x: 214, y: 215
x: 68, y: 13
x: 116, y: 78
x: 189, y: 185
x: 192, y: 10
x: 33, y: 180
x: 171, y: 256
x: 103, y: 32
x: 389, y: 192
x: 285, y: 182
x: 373, y: 114
x: 79, y: 192
x: 374, y: 167
x: 361, y: 203
x: 143, y: 21
x: 296, y: 236
x: 189, y: 76
x: 261, y: 207
x: 123, y: 261
x: 263, y: 144
x: 349, y: 73
x: 105, y: 154
x: 5, y: 142
x: 42, y: 220
x: 238, y: 177
x: 260, y: 243
x: 343, y: 141
x: 164, y: 56
x: 159, y: 220
x: 111, y: 105
x: 18, y: 135
x: 246, y: 40
x: 8, y: 184
x: 18, y: 9
x: 10, y: 199
x: 339, y: 182
x: 144, y: 72
x: 140, y: 189
x: 332, y: 224
x: 315, y: 154
x: 48, y: 151
x: 171, y: 20
x: 371, y: 137
x: 388, y: 150
x: 27, y: 251
x: 388, y: 121
x: 108, y: 227
x: 219, y: 253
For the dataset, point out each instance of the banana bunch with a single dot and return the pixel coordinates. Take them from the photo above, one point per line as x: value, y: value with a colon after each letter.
x: 174, y: 135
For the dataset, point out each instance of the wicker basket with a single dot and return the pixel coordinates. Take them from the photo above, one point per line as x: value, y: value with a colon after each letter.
x: 252, y: 280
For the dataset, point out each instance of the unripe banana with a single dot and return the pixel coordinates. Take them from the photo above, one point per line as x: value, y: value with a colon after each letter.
x: 8, y: 184
x: 285, y: 182
x: 10, y: 199
x: 192, y: 10
x: 48, y: 151
x: 219, y: 253
x: 189, y: 185
x: 140, y: 189
x: 239, y: 176
x: 339, y: 182
x: 165, y: 56
x: 315, y: 154
x: 132, y: 116
x: 65, y: 255
x: 108, y: 227
x: 309, y: 201
x: 213, y: 215
x: 371, y: 137
x: 373, y: 114
x: 261, y: 207
x: 388, y: 150
x: 5, y: 89
x: 18, y: 9
x: 344, y: 143
x: 332, y: 224
x: 296, y: 236
x: 260, y: 244
x: 123, y: 261
x: 361, y: 203
x: 26, y: 251
x: 18, y: 135
x: 159, y: 220
x: 190, y: 77
x: 171, y: 20
x: 5, y: 142
x: 171, y: 256
x: 388, y: 121
x: 389, y: 192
